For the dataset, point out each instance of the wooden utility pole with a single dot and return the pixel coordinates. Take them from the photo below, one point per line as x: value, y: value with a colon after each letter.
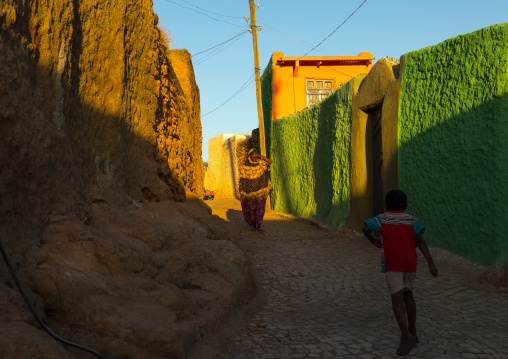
x: 254, y: 30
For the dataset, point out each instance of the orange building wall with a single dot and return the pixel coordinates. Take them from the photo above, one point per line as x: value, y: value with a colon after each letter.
x: 288, y: 84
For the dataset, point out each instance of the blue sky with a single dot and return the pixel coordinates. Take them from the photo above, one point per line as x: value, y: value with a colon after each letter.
x: 384, y: 28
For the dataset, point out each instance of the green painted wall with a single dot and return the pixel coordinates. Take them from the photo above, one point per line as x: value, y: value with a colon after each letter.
x: 311, y: 160
x: 453, y: 142
x: 266, y: 99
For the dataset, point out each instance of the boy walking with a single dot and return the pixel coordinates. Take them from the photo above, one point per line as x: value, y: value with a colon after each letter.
x: 401, y: 234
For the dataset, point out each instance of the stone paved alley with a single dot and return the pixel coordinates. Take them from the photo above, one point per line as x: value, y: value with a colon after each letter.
x: 324, y: 296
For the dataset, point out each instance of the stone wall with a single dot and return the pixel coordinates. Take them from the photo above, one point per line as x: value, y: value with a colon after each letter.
x: 92, y: 109
x: 100, y: 158
x: 191, y: 134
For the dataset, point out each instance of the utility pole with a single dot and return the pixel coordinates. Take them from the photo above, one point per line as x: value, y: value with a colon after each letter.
x: 254, y: 31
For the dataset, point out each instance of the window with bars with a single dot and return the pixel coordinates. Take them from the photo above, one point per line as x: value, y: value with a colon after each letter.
x: 317, y: 89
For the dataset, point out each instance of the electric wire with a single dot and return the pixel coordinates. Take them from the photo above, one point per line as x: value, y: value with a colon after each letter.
x: 235, y: 38
x: 38, y: 318
x: 241, y: 89
x: 332, y: 69
x: 217, y: 51
x: 291, y: 38
x: 222, y: 43
x: 211, y: 133
x: 338, y: 27
x: 202, y: 13
x: 211, y: 12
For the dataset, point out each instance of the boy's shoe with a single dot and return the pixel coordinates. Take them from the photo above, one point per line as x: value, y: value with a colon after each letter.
x: 417, y: 341
x: 406, y: 345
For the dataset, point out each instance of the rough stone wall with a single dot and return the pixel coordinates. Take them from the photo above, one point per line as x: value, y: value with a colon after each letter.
x: 96, y: 126
x: 186, y: 91
x: 92, y: 109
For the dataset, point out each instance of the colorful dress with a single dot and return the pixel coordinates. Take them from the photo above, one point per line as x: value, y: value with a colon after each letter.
x: 254, y: 187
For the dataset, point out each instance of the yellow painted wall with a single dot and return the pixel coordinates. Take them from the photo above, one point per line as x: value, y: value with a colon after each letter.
x: 222, y: 162
x: 381, y: 88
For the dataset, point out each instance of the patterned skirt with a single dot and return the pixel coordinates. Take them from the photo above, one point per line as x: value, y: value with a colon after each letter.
x: 253, y: 211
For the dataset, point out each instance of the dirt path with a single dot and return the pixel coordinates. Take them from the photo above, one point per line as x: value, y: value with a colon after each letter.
x: 325, y: 297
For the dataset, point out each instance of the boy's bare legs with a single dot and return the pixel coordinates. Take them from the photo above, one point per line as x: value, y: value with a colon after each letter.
x: 409, y: 301
x: 401, y: 315
x: 399, y: 310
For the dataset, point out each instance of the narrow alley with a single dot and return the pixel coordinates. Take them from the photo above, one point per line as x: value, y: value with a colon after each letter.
x: 324, y: 296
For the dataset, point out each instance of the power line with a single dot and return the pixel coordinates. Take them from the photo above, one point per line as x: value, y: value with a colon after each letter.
x: 338, y: 27
x: 331, y: 68
x: 242, y: 88
x: 291, y: 38
x: 211, y: 133
x: 211, y: 12
x: 202, y: 13
x: 217, y: 51
x: 199, y: 53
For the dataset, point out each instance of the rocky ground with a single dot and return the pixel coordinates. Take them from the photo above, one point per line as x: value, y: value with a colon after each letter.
x: 145, y: 281
x: 167, y: 280
x: 322, y: 295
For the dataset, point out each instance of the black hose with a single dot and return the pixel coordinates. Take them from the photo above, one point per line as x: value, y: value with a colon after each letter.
x: 38, y: 318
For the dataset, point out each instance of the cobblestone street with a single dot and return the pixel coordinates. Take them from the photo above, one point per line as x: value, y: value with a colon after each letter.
x: 324, y: 296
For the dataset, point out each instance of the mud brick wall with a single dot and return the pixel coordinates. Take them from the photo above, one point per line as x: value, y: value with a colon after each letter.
x: 92, y: 109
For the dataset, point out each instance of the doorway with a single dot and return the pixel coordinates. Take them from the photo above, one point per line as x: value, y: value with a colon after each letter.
x: 377, y: 160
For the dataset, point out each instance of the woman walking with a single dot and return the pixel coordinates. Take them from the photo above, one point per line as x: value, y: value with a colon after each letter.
x: 254, y: 185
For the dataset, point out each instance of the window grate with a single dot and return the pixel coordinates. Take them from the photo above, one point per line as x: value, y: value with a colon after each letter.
x: 317, y: 89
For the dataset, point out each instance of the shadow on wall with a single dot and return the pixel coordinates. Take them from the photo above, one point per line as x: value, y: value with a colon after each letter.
x: 294, y: 177
x: 456, y: 176
x: 60, y: 154
x: 322, y: 159
x: 374, y: 140
x: 282, y: 200
x: 311, y: 160
x: 267, y: 97
x: 233, y: 161
x: 290, y: 172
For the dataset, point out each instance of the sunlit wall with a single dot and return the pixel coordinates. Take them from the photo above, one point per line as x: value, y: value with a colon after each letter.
x: 311, y: 161
x: 453, y: 142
